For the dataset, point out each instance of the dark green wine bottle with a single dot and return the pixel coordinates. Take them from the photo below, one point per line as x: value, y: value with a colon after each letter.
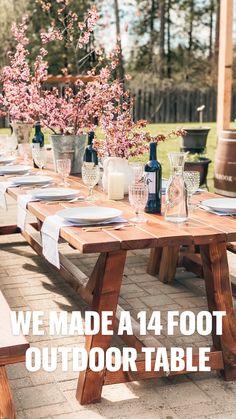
x: 153, y: 176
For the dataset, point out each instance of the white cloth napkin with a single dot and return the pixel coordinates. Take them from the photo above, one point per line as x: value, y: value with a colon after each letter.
x: 3, y: 187
x: 50, y: 234
x: 22, y: 202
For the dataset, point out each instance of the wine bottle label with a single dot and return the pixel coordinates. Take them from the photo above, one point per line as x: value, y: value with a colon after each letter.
x: 151, y: 182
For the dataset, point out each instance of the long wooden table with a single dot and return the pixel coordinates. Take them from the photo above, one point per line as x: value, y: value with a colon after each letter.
x: 101, y: 291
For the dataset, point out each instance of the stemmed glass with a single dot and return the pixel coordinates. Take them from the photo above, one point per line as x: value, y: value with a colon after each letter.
x: 192, y: 182
x: 64, y: 168
x: 90, y: 176
x: 138, y: 195
x: 39, y: 156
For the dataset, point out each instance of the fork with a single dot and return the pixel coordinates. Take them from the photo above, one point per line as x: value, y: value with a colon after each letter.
x: 79, y: 198
x: 36, y: 185
x: 100, y: 228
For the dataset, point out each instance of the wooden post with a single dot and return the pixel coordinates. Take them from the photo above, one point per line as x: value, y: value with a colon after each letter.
x: 225, y: 65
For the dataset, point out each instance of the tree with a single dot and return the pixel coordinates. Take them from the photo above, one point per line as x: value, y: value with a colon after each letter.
x: 60, y: 54
x: 120, y: 68
x: 162, y: 11
x: 11, y: 10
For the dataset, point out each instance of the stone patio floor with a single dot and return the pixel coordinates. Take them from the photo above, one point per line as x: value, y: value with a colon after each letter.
x: 29, y: 283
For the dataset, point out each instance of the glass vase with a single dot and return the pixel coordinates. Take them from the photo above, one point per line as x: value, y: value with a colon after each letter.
x: 176, y: 209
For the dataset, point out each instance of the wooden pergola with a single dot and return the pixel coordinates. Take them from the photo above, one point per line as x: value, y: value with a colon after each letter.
x: 225, y: 65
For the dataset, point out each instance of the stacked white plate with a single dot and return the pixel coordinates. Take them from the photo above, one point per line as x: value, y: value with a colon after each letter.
x: 221, y: 205
x: 54, y: 194
x: 6, y: 160
x: 31, y: 180
x: 90, y: 215
x: 14, y: 169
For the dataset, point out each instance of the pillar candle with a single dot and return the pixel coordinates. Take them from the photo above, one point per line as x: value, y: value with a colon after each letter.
x: 116, y: 186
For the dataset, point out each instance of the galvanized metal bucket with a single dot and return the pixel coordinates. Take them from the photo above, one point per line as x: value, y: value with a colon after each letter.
x: 69, y: 147
x: 22, y: 131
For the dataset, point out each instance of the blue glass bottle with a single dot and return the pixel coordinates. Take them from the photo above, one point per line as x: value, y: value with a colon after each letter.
x: 153, y: 172
x: 38, y: 136
x: 90, y: 154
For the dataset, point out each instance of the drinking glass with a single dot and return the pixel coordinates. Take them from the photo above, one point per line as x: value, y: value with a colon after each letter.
x: 138, y: 195
x: 90, y: 176
x: 64, y: 168
x: 25, y: 152
x: 39, y: 156
x: 137, y: 172
x: 192, y: 182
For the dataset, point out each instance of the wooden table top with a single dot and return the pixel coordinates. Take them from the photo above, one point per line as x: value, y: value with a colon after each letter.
x: 201, y: 228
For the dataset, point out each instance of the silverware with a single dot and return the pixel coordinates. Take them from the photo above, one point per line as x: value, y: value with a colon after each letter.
x: 36, y: 185
x: 79, y: 198
x: 101, y: 228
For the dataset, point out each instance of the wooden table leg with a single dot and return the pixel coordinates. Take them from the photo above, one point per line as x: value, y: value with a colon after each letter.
x: 105, y: 298
x: 168, y: 264
x: 219, y: 295
x: 154, y: 261
x: 7, y: 409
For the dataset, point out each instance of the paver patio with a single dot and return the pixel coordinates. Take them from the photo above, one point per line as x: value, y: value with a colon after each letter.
x: 29, y: 283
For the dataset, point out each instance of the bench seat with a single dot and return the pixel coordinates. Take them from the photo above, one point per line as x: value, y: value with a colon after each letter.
x: 12, y: 350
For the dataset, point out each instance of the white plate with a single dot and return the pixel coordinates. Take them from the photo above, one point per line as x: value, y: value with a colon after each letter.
x: 5, y: 160
x: 221, y: 204
x: 54, y: 194
x: 31, y: 180
x: 14, y: 169
x: 89, y: 214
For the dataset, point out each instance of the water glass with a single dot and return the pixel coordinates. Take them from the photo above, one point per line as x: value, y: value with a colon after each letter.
x: 90, y: 176
x: 137, y: 172
x: 25, y: 152
x: 64, y: 168
x: 192, y: 182
x: 39, y: 156
x: 138, y: 195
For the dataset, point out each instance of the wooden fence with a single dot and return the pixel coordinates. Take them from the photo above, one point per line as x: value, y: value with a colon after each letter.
x: 171, y: 105
x: 174, y: 105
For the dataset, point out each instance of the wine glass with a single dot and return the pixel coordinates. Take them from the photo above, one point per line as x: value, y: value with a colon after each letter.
x: 25, y: 152
x: 138, y: 195
x: 64, y: 168
x: 90, y: 176
x: 192, y: 182
x: 39, y: 156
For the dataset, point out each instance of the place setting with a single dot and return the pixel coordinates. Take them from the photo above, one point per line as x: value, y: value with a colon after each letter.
x: 45, y: 196
x: 220, y: 206
x: 15, y: 169
x: 6, y: 160
x: 26, y: 180
x: 90, y: 218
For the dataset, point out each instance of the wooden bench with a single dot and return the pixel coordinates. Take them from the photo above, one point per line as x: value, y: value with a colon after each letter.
x: 12, y: 351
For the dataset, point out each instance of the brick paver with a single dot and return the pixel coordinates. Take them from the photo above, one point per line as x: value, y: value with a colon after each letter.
x: 29, y: 283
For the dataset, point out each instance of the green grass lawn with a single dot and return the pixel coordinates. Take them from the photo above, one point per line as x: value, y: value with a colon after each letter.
x: 173, y: 145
